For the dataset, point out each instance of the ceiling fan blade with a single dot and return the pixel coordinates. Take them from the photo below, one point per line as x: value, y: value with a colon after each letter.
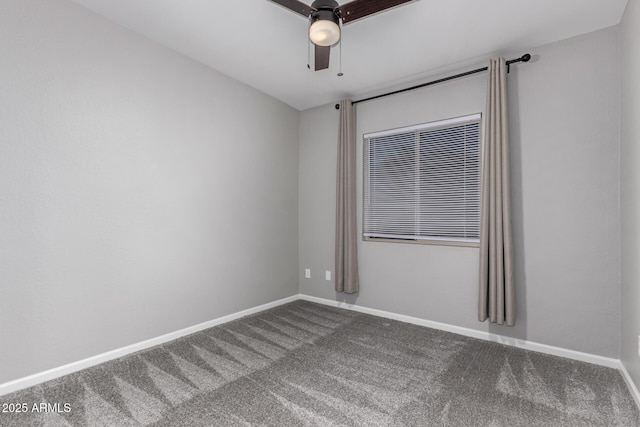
x: 357, y: 9
x: 296, y: 6
x: 322, y: 57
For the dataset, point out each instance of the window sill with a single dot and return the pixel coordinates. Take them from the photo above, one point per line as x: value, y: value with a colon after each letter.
x: 423, y: 242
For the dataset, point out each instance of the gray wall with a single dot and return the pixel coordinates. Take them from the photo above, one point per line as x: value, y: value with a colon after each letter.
x: 141, y: 192
x: 630, y: 189
x: 565, y: 148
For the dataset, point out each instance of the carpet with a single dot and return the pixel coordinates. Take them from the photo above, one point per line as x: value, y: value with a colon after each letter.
x: 305, y: 364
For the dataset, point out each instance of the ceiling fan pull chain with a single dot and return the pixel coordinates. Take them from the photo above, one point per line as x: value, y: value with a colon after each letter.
x: 340, y: 58
x: 308, y: 47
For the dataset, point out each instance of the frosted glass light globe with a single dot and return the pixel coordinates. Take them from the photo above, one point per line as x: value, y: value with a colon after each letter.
x: 324, y: 33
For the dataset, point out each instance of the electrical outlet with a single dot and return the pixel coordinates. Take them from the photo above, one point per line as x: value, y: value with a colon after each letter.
x: 327, y: 275
x: 307, y: 273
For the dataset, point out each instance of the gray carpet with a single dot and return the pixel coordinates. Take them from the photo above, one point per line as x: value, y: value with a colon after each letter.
x: 304, y: 364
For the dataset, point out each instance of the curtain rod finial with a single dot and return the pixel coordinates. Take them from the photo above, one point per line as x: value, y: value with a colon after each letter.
x: 525, y: 58
x: 337, y: 106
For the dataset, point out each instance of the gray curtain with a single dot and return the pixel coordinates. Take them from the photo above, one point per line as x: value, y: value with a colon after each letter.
x: 346, y: 234
x: 497, y: 295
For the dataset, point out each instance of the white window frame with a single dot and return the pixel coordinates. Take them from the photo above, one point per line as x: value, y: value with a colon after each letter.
x: 372, y: 229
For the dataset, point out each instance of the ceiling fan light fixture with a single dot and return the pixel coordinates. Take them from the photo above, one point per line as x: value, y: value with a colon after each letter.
x: 326, y: 18
x: 325, y: 32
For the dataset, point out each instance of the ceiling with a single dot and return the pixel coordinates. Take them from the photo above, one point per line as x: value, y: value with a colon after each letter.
x: 265, y: 45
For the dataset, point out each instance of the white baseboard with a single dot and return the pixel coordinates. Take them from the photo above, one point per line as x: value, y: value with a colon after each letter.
x: 524, y: 344
x: 51, y: 374
x: 632, y: 386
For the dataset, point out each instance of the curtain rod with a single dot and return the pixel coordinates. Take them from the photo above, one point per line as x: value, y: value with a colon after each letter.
x: 524, y: 58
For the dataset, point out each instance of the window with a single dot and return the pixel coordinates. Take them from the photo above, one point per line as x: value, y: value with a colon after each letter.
x: 422, y: 182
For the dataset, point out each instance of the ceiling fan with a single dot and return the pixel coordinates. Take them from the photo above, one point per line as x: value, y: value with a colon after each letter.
x: 325, y: 17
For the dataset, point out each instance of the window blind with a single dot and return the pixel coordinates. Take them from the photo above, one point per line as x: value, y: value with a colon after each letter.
x: 423, y: 182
